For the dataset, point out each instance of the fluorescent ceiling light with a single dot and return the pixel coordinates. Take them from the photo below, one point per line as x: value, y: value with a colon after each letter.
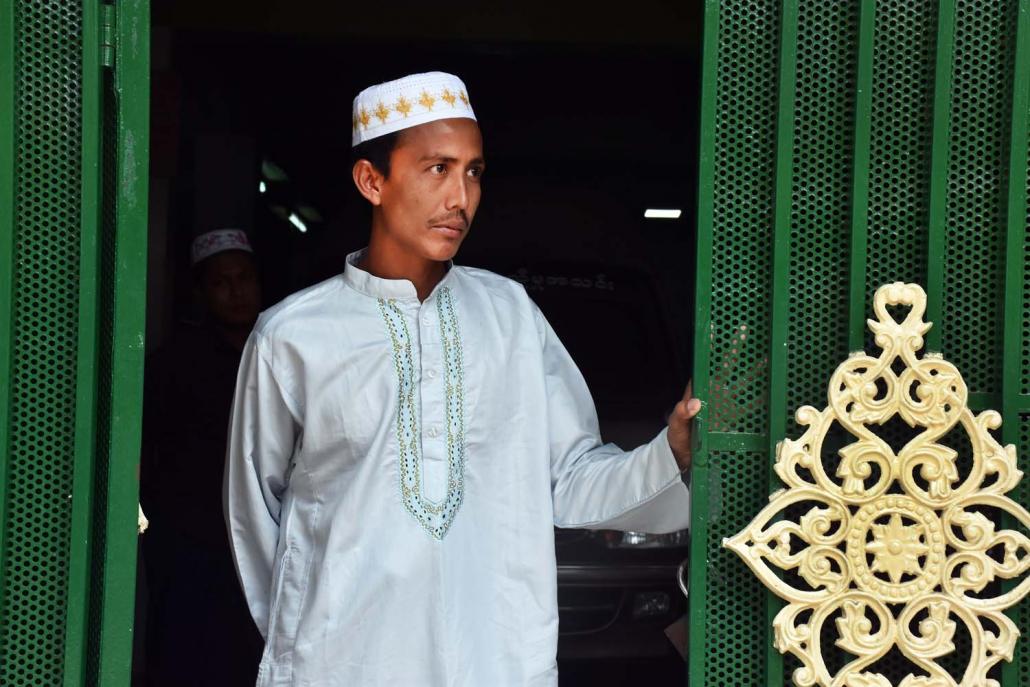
x: 298, y: 222
x: 651, y: 213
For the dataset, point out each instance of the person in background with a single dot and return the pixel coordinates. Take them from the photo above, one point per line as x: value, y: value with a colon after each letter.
x: 199, y: 631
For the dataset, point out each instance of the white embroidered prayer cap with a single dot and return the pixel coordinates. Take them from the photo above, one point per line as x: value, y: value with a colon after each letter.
x: 401, y: 104
x: 217, y: 241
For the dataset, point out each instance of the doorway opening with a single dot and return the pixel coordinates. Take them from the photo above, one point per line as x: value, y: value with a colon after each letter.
x: 589, y: 120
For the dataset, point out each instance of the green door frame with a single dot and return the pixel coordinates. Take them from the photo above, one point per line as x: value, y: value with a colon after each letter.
x: 74, y: 122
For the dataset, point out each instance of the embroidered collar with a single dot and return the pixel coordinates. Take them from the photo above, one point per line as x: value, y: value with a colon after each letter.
x: 377, y: 287
x: 435, y: 517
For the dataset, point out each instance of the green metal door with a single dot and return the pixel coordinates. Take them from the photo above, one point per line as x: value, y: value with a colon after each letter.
x: 846, y: 145
x: 74, y: 80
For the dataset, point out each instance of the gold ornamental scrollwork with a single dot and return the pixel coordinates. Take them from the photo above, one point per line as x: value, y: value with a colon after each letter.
x: 897, y: 548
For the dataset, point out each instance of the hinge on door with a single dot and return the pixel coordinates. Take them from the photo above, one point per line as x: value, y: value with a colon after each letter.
x: 107, y: 34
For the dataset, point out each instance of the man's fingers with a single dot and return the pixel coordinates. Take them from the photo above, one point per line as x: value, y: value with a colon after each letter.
x: 687, y: 409
x: 689, y: 406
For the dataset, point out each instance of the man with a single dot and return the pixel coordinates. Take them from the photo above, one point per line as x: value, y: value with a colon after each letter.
x: 197, y: 614
x: 405, y: 436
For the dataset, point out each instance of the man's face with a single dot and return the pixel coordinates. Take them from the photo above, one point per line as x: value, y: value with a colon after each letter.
x: 433, y: 191
x: 230, y: 286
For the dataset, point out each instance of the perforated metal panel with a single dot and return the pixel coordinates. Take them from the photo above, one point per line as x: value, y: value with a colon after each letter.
x: 846, y: 145
x: 980, y: 113
x: 1024, y: 333
x: 738, y: 651
x: 745, y: 138
x: 106, y: 315
x: 1022, y: 658
x: 1021, y: 494
x: 71, y: 296
x: 904, y: 43
x: 820, y: 207
x: 41, y: 422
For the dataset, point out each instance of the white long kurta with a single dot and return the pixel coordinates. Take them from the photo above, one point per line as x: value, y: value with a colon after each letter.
x: 394, y: 472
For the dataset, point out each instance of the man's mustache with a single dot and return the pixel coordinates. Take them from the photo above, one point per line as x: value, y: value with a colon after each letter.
x: 459, y: 220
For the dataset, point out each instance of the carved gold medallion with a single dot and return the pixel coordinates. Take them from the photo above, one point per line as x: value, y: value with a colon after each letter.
x: 898, y: 548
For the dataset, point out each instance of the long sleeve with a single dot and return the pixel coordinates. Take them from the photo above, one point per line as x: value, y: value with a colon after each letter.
x: 262, y: 435
x: 600, y: 486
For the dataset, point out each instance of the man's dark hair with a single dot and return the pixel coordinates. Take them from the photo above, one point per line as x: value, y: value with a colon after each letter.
x: 377, y: 151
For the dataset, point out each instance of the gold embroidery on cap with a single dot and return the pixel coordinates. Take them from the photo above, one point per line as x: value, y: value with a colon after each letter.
x: 363, y: 118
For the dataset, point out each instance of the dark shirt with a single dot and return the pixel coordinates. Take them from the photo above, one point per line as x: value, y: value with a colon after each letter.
x: 188, y: 394
x: 199, y: 630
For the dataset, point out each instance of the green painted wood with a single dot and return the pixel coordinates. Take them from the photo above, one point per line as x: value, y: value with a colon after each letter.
x: 127, y: 260
x: 703, y: 311
x: 1015, y: 230
x: 781, y: 255
x: 980, y: 401
x: 860, y: 177
x: 80, y: 564
x: 1017, y: 672
x: 938, y: 178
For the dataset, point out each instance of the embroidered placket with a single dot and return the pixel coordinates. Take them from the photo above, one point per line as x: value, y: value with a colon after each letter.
x: 435, y: 518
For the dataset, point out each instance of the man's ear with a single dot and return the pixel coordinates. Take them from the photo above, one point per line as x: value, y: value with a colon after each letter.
x: 369, y: 181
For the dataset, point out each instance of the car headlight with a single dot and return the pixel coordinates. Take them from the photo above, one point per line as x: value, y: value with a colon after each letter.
x: 642, y: 540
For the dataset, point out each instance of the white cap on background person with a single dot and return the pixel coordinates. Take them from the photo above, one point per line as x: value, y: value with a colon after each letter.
x: 217, y: 241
